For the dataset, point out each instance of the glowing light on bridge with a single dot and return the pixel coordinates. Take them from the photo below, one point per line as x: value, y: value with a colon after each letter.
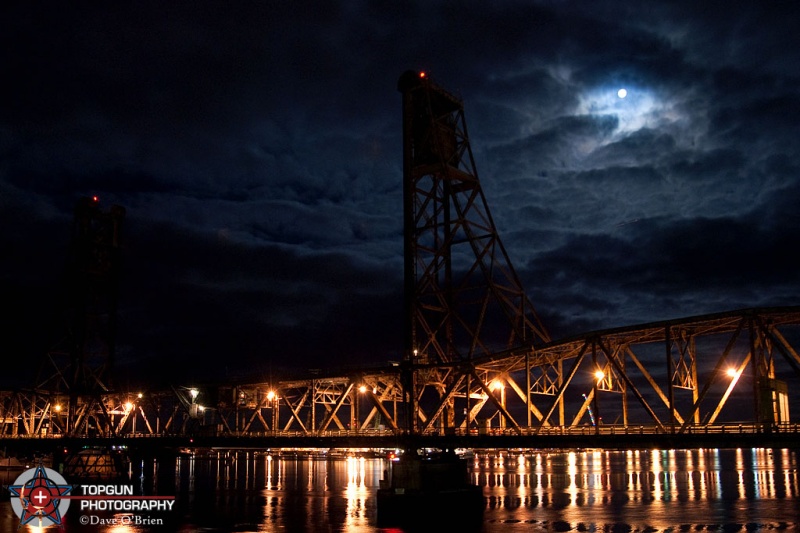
x: 734, y: 375
x: 497, y: 385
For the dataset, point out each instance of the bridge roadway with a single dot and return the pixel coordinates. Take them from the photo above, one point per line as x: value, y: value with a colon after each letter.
x: 602, y: 437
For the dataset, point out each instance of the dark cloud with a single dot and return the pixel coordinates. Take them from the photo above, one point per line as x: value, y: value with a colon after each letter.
x: 256, y: 148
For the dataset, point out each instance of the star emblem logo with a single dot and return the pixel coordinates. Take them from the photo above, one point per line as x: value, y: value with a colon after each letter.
x: 40, y: 494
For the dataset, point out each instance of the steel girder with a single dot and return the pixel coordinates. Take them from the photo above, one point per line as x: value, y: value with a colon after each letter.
x: 691, y: 389
x: 671, y: 376
x: 663, y: 374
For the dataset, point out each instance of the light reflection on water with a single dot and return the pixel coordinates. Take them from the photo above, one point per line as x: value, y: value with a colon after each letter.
x: 653, y: 490
x: 583, y: 491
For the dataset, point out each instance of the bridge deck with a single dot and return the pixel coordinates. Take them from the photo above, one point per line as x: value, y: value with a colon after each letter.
x: 609, y: 437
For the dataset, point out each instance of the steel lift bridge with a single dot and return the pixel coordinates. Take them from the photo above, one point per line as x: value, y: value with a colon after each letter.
x: 477, y: 362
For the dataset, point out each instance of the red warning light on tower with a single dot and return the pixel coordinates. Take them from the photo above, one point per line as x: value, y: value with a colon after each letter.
x: 422, y: 74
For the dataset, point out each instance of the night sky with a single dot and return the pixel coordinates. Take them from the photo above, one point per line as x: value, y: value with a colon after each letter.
x: 256, y: 148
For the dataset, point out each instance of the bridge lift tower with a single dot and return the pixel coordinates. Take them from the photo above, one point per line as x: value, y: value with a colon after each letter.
x: 77, y: 370
x: 463, y: 298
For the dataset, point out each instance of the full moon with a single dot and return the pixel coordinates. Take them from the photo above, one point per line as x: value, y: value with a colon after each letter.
x: 622, y: 93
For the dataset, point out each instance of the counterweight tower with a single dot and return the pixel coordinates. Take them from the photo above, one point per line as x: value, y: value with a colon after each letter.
x: 463, y: 298
x: 79, y: 363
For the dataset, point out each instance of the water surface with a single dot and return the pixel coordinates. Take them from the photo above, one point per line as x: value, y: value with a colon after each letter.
x: 725, y: 490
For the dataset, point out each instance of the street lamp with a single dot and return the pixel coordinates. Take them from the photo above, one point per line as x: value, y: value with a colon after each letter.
x: 193, y: 407
x: 55, y: 422
x: 498, y: 385
x: 130, y: 410
x: 274, y: 405
x: 600, y: 384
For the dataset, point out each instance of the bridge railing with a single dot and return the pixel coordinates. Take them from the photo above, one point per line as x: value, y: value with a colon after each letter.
x: 549, y: 431
x: 716, y: 429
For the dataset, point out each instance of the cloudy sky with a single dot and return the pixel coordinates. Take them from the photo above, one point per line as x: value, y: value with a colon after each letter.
x: 256, y: 148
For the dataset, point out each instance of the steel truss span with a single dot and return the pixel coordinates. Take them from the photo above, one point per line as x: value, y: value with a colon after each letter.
x: 735, y: 370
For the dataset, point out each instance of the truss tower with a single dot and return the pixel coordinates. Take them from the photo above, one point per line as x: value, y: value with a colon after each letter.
x: 77, y: 369
x: 463, y: 299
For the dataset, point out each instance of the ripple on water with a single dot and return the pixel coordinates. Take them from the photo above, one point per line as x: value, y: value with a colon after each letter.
x: 562, y: 526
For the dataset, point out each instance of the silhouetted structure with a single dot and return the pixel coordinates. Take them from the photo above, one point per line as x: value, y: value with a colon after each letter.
x: 477, y: 363
x: 463, y: 298
x: 80, y: 363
